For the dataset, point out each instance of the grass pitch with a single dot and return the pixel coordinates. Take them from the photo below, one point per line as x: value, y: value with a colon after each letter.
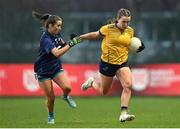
x: 92, y: 112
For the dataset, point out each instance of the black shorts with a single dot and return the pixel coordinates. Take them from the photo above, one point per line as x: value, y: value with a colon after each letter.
x: 48, y: 76
x: 110, y: 69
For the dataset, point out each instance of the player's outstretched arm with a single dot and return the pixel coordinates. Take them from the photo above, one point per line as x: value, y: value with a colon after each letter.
x: 90, y: 36
x: 60, y: 51
x: 74, y: 40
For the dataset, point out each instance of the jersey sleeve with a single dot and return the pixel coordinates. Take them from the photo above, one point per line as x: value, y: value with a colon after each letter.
x: 103, y: 30
x: 131, y: 32
x: 48, y: 45
x: 125, y: 37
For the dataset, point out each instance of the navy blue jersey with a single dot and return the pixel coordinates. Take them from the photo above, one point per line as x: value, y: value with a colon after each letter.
x: 46, y: 62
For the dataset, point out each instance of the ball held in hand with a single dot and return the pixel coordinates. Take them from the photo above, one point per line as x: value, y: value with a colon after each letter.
x: 135, y: 44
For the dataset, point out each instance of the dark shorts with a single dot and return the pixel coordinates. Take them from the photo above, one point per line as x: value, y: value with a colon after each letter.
x: 48, y: 76
x: 110, y: 69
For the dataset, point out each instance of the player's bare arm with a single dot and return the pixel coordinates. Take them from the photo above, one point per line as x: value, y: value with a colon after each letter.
x: 90, y: 36
x: 59, y: 52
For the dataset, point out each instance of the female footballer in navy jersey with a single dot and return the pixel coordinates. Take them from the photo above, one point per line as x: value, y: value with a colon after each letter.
x: 48, y: 66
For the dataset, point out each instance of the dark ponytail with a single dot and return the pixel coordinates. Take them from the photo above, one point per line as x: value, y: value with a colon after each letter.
x: 46, y: 18
x: 40, y: 17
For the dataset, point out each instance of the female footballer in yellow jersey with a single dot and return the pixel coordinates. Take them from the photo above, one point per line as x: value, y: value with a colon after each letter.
x: 115, y: 47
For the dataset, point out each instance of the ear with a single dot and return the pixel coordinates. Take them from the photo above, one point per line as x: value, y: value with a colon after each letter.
x: 50, y: 26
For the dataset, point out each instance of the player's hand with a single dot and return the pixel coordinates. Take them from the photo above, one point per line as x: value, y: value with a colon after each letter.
x: 72, y: 36
x: 74, y: 40
x: 142, y: 47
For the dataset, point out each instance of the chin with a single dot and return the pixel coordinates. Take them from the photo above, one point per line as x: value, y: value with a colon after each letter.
x: 124, y: 27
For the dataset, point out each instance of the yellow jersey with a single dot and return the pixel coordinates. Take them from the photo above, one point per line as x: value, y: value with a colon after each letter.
x: 115, y: 43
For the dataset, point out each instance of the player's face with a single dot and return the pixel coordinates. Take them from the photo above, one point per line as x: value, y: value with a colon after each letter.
x: 123, y: 22
x: 56, y: 28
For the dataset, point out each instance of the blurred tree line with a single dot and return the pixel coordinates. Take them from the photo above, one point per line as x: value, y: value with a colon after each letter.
x: 156, y: 22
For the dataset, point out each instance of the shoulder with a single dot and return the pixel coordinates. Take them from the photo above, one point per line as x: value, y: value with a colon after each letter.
x: 130, y: 29
x: 110, y: 26
x: 45, y: 36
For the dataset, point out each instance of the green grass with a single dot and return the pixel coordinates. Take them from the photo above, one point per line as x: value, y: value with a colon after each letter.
x: 92, y: 112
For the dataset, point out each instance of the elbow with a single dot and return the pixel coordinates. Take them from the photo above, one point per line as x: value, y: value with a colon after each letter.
x: 57, y: 55
x: 59, y: 52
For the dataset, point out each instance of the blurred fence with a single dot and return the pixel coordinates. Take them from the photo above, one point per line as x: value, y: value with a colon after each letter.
x: 19, y: 32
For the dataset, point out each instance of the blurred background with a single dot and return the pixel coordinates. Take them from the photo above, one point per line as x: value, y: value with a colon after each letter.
x: 156, y: 22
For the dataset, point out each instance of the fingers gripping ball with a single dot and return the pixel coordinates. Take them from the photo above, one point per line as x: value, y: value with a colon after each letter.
x: 142, y: 47
x: 136, y: 45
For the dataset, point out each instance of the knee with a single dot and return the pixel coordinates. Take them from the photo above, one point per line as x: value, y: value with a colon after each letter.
x: 127, y: 89
x: 127, y: 86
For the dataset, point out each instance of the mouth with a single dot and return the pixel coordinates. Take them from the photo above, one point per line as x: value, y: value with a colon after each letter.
x: 124, y: 27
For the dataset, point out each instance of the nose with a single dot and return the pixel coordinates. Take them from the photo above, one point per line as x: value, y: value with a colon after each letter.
x: 59, y: 28
x: 126, y: 24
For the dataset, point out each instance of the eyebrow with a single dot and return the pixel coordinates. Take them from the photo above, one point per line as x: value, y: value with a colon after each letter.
x: 60, y: 24
x: 125, y: 21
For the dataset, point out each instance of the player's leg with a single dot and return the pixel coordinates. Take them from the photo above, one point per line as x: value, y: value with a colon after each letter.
x: 107, y: 72
x: 61, y: 79
x: 125, y: 77
x: 102, y: 85
x: 47, y: 87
